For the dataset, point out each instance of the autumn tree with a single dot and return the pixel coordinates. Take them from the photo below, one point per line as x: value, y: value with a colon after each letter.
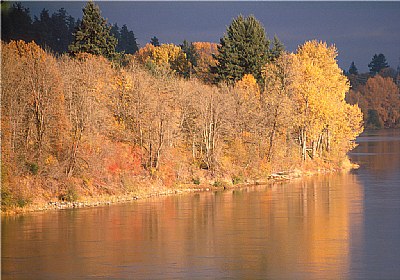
x: 278, y: 103
x: 93, y: 34
x: 167, y: 57
x: 320, y: 94
x: 205, y: 52
x: 244, y: 49
x: 86, y: 87
x: 380, y: 102
x: 32, y: 104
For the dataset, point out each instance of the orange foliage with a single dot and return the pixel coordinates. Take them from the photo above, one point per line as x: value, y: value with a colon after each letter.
x: 382, y: 94
x: 124, y: 159
x: 205, y: 60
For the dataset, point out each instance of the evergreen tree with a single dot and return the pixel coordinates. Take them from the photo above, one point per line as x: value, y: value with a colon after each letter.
x: 191, y: 56
x: 93, y: 34
x: 127, y: 41
x: 154, y: 41
x: 353, y: 69
x: 243, y: 50
x: 115, y: 32
x: 42, y: 29
x: 377, y: 63
x: 16, y: 22
x: 277, y: 49
x: 63, y: 27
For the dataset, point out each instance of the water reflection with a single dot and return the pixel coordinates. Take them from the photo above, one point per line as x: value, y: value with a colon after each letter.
x: 301, y: 230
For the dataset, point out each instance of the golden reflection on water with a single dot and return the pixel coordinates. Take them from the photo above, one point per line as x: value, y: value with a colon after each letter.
x: 301, y: 230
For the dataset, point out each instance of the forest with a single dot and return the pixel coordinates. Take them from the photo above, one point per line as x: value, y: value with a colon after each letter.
x: 96, y: 120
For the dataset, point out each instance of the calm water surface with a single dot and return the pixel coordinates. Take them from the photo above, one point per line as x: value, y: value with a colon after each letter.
x: 341, y: 226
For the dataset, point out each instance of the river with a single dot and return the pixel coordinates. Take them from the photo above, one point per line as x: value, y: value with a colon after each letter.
x: 336, y: 226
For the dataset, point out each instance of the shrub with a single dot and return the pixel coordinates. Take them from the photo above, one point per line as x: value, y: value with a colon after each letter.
x: 71, y: 195
x: 237, y: 180
x: 32, y: 167
x: 196, y: 181
x: 217, y: 184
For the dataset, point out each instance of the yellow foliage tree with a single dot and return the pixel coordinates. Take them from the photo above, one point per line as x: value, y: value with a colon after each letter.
x: 165, y: 56
x: 248, y: 86
x: 320, y: 90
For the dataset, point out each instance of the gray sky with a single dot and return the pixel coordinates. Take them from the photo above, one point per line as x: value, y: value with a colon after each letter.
x: 358, y: 29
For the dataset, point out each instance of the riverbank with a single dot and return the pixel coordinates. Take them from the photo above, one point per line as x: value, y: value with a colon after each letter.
x: 156, y: 190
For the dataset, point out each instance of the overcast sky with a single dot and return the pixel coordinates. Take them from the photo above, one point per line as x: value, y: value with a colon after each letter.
x: 358, y: 29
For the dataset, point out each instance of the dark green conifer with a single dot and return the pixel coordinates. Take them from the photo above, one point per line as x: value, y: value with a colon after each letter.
x: 353, y: 69
x: 244, y: 49
x: 277, y: 49
x: 155, y: 42
x: 377, y: 63
x: 93, y: 34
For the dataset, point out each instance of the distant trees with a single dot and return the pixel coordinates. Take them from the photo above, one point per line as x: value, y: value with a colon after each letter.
x: 126, y: 39
x: 377, y: 63
x: 155, y: 42
x: 353, y: 69
x: 244, y: 49
x: 53, y: 32
x: 16, y: 22
x: 379, y: 100
x: 93, y: 34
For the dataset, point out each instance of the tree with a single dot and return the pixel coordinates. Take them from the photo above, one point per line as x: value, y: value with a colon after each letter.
x: 31, y: 102
x: 382, y: 96
x: 191, y: 56
x: 277, y: 49
x: 377, y: 63
x: 93, y: 34
x: 353, y: 69
x: 320, y: 89
x: 154, y: 41
x: 16, y: 23
x: 167, y: 57
x: 243, y: 50
x: 127, y: 41
x: 205, y: 60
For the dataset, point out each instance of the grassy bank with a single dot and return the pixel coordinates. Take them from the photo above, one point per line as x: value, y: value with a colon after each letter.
x: 80, y: 196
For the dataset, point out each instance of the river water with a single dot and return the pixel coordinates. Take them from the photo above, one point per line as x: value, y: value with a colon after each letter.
x: 337, y: 226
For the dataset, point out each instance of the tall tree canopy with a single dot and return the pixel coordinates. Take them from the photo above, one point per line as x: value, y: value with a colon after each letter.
x: 93, y: 35
x: 244, y: 49
x: 377, y: 63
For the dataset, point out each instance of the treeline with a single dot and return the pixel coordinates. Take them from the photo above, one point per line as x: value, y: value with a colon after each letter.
x: 53, y: 32
x: 376, y: 92
x: 82, y: 123
x: 85, y: 123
